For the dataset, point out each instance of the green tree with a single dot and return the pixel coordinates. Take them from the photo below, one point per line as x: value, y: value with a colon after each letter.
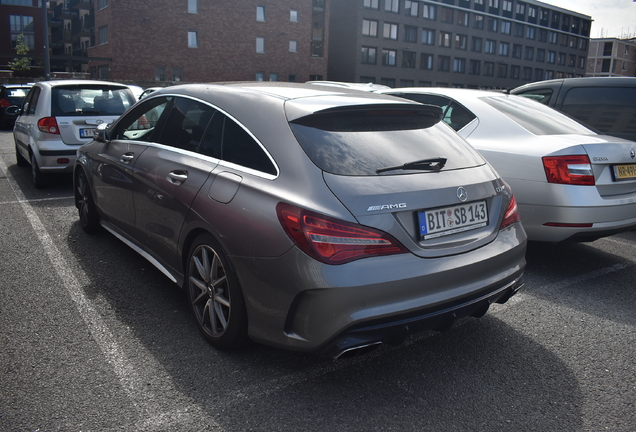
x: 20, y: 64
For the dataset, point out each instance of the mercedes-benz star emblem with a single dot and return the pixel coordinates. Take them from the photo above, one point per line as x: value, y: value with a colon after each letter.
x: 461, y: 194
x: 632, y: 153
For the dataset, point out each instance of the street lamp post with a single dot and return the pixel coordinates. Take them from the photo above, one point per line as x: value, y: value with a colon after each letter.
x: 45, y: 27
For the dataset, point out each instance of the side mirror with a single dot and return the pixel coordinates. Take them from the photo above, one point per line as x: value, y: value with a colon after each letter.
x: 13, y: 110
x: 101, y: 134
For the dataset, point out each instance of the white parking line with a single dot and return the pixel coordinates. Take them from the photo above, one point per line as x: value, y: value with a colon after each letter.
x: 131, y: 381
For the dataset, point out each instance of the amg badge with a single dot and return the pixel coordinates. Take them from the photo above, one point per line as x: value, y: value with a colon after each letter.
x: 387, y: 207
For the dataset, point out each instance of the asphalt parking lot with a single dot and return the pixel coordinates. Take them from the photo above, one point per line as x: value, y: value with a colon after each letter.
x: 93, y: 338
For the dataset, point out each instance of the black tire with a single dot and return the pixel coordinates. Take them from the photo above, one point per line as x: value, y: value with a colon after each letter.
x: 38, y: 177
x: 215, y: 295
x: 89, y: 218
x: 20, y: 160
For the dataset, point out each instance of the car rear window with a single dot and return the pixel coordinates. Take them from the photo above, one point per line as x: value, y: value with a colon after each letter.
x: 90, y: 100
x: 535, y: 117
x: 611, y: 110
x: 16, y: 96
x: 361, y: 142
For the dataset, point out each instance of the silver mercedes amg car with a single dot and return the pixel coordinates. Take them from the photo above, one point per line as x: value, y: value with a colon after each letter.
x: 305, y: 217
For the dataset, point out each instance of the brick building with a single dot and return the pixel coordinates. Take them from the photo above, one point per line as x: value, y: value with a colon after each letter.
x: 21, y: 17
x: 612, y: 57
x: 460, y: 43
x: 201, y: 40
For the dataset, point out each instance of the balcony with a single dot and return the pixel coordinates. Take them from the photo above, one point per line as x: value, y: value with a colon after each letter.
x: 59, y: 12
x: 60, y: 36
x: 80, y: 4
x: 82, y: 27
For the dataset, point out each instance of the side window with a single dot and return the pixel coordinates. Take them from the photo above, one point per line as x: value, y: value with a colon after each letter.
x: 225, y: 139
x: 141, y: 123
x: 185, y: 124
x: 456, y: 116
x: 31, y: 101
x: 541, y: 95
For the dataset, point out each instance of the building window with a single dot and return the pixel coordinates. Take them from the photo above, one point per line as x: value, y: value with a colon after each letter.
x: 443, y: 64
x: 291, y: 78
x: 408, y: 59
x: 260, y: 45
x: 506, y: 27
x: 426, y: 61
x: 428, y: 11
x: 446, y: 15
x: 490, y: 46
x: 367, y: 79
x: 479, y: 22
x: 22, y: 25
x: 371, y: 4
x: 552, y: 37
x: 507, y: 6
x: 160, y: 73
x: 102, y: 35
x: 551, y: 56
x: 529, y: 53
x: 390, y: 31
x: 475, y: 67
x: 368, y: 55
x: 517, y: 51
x: 459, y: 65
x: 538, y: 74
x: 540, y: 55
x: 462, y: 18
x: 489, y: 69
x: 177, y: 74
x: 477, y: 44
x: 502, y: 70
x: 101, y: 4
x: 260, y: 76
x: 193, y: 6
x: 389, y: 57
x: 527, y: 73
x: 260, y: 13
x: 407, y: 83
x: 561, y: 59
x: 273, y: 77
x: 293, y: 46
x: 543, y: 35
x: 445, y: 39
x: 492, y: 24
x: 531, y: 32
x: 515, y: 72
x: 392, y: 6
x: 428, y: 37
x: 461, y: 42
x: 504, y: 49
x: 103, y: 72
x: 410, y: 8
x: 293, y: 15
x: 369, y: 28
x: 410, y: 34
x: 519, y: 30
x: 389, y: 82
x: 193, y: 40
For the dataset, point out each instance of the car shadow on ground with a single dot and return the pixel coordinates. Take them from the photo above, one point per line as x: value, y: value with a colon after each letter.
x: 481, y: 375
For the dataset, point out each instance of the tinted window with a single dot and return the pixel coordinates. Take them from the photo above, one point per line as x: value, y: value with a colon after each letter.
x: 361, y: 142
x: 141, y: 123
x: 16, y: 95
x: 31, y: 101
x: 90, y: 100
x: 609, y: 109
x: 185, y: 124
x: 455, y: 115
x: 535, y: 117
x: 540, y: 95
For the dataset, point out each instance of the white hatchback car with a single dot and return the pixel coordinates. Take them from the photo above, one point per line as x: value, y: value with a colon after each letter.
x: 57, y: 117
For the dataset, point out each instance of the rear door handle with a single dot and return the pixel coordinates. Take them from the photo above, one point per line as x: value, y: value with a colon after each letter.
x: 126, y: 158
x: 177, y: 177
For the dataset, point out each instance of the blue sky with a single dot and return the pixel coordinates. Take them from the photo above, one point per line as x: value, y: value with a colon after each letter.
x: 614, y: 18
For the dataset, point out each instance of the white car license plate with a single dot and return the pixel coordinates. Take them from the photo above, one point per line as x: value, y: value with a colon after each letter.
x: 455, y: 219
x: 87, y: 133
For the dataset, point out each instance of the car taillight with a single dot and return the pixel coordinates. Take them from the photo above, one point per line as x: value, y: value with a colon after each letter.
x: 512, y: 214
x: 4, y: 103
x: 48, y: 125
x: 574, y: 170
x: 333, y: 241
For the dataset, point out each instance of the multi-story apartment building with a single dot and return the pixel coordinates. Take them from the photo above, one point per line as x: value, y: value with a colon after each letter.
x: 612, y: 57
x: 20, y: 17
x: 461, y: 43
x: 72, y: 32
x: 202, y: 40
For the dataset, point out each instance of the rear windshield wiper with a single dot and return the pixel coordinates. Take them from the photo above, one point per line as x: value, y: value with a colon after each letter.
x: 435, y: 164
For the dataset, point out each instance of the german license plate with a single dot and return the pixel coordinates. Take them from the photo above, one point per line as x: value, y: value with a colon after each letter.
x: 87, y: 133
x: 451, y: 220
x: 624, y: 172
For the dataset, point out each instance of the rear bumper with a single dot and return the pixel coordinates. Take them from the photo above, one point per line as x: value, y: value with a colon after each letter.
x: 394, y: 331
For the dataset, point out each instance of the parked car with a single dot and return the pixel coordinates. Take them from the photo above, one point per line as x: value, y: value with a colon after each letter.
x: 11, y: 95
x: 570, y: 183
x: 607, y: 104
x: 58, y: 117
x: 305, y: 217
x: 136, y: 90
